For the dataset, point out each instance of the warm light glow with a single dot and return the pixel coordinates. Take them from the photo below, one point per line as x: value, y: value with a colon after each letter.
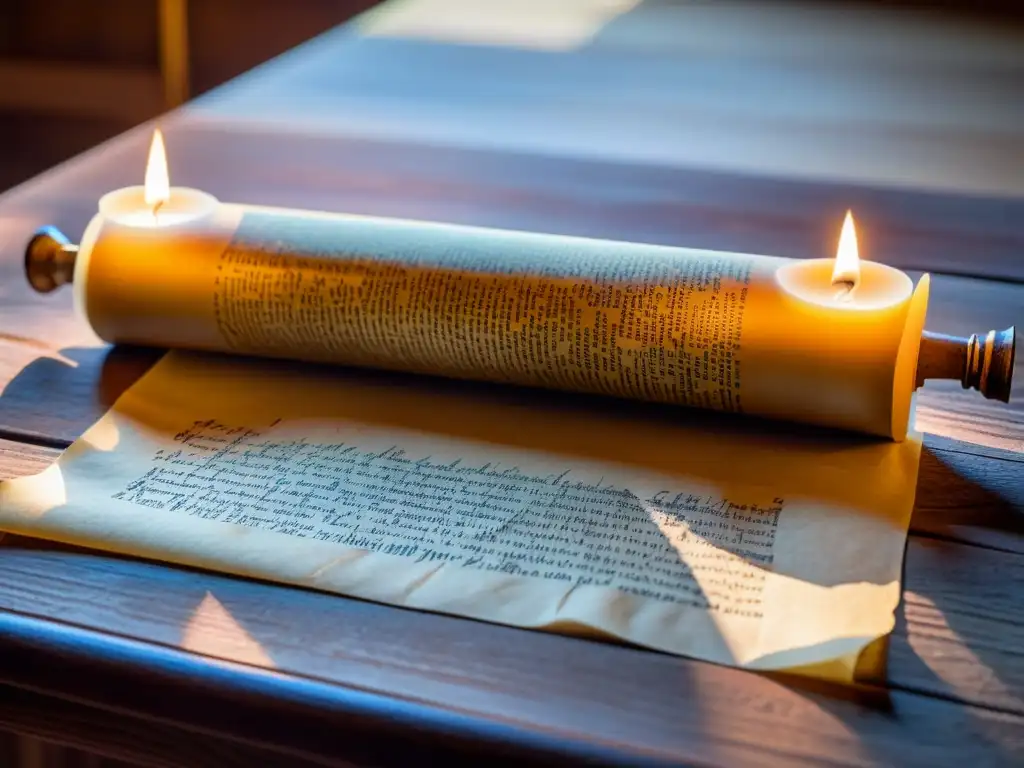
x: 846, y: 272
x: 158, y: 185
x: 565, y: 25
x: 213, y: 631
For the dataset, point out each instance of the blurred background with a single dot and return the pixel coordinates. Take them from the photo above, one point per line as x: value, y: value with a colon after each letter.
x: 76, y: 72
x: 73, y: 73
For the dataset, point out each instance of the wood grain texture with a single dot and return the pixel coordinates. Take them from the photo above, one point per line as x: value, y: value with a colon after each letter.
x: 970, y: 498
x: 917, y: 136
x: 18, y: 459
x: 581, y: 691
x: 957, y: 633
x: 69, y: 734
x: 743, y: 87
x: 719, y: 125
x: 20, y: 751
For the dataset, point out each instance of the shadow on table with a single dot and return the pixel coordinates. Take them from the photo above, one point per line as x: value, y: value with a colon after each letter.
x: 48, y: 394
x: 958, y: 622
x: 53, y: 400
x: 958, y: 634
x: 964, y: 495
x: 663, y: 703
x: 529, y: 676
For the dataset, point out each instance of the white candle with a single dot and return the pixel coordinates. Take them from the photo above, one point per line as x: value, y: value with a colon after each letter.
x: 128, y: 207
x: 868, y: 311
x: 845, y: 283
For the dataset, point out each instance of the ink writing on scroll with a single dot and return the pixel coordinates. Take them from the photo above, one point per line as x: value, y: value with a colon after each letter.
x: 672, y: 544
x: 655, y: 327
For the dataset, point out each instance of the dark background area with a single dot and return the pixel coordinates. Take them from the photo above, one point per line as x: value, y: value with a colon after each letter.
x: 74, y: 73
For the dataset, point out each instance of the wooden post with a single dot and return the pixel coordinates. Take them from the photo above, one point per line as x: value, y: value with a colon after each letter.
x: 981, y: 363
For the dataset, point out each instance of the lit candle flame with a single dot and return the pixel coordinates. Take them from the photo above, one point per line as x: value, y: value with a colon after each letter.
x: 157, y: 189
x: 846, y: 272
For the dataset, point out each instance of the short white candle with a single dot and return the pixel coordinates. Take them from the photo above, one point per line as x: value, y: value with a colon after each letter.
x: 128, y: 207
x: 846, y: 283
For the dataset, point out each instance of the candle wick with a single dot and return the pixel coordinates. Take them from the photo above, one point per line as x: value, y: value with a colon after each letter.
x: 846, y: 287
x: 156, y: 209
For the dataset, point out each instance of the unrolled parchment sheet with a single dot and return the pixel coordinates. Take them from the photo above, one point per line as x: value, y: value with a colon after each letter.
x: 677, y: 530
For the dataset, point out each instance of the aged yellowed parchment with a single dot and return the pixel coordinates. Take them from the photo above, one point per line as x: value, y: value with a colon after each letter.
x: 655, y: 525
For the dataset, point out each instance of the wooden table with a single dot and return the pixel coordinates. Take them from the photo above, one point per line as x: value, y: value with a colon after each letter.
x: 729, y: 127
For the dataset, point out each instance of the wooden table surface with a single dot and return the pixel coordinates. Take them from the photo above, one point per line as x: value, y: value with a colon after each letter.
x: 726, y: 126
